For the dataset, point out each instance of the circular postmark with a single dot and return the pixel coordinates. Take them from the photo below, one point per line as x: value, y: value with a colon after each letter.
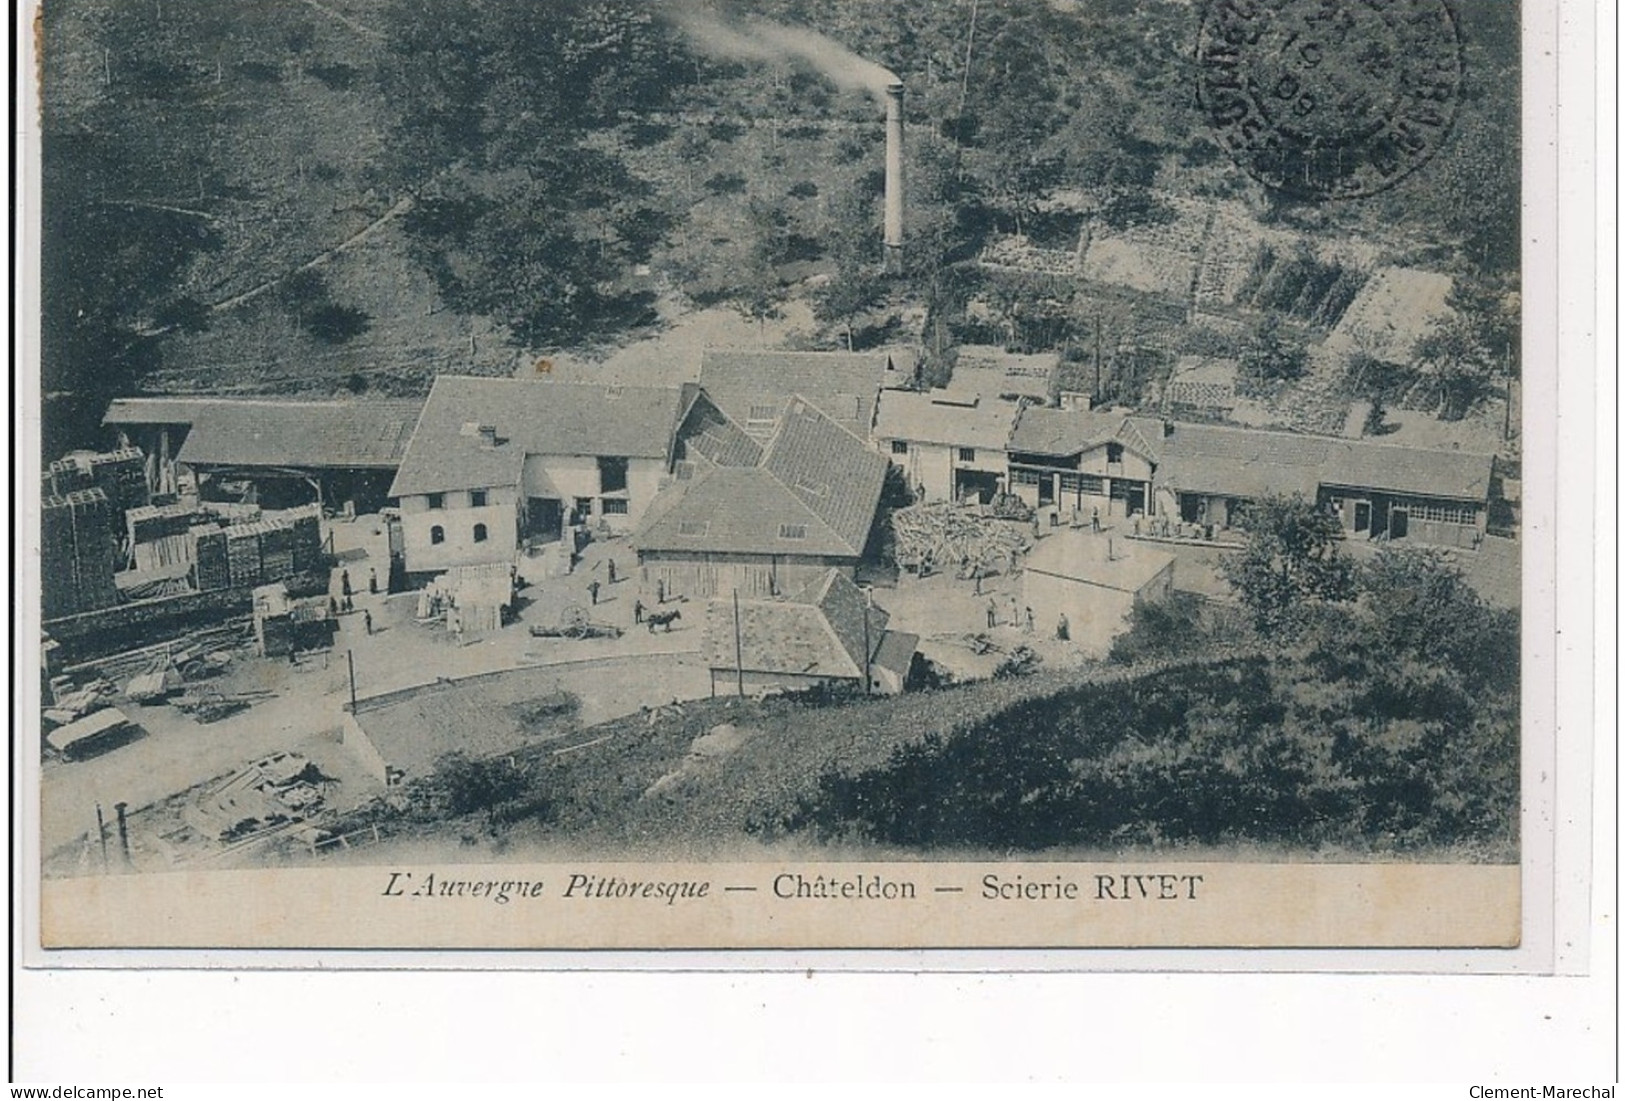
x: 1330, y: 99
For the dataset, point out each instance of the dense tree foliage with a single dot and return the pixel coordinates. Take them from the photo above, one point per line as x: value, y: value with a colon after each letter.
x: 1290, y: 565
x: 1391, y: 726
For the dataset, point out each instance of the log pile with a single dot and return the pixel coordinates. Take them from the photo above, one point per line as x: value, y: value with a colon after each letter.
x: 949, y: 537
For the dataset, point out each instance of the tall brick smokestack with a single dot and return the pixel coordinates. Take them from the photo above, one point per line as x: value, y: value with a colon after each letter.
x: 894, y: 177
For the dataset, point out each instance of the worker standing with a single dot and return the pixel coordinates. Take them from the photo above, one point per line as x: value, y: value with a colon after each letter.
x: 1063, y: 630
x: 992, y: 614
x: 372, y: 580
x: 1029, y: 621
x: 611, y: 564
x: 366, y: 620
x: 1094, y: 520
x: 637, y: 611
x: 344, y: 583
x: 592, y: 591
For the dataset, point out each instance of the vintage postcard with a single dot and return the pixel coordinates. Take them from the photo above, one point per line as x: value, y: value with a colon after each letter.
x: 787, y: 474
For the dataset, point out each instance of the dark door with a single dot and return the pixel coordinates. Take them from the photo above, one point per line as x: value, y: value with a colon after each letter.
x: 1399, y: 523
x: 1362, y: 516
x: 545, y: 517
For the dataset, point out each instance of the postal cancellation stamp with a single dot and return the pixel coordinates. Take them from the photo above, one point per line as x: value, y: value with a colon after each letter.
x: 1331, y: 99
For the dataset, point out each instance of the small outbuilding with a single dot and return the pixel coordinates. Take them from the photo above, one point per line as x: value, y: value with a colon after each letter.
x: 1091, y: 582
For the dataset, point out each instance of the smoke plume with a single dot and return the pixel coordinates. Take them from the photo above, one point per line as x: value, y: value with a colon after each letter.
x: 760, y: 40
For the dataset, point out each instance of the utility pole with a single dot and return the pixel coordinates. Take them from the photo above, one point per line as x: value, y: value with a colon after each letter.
x: 739, y: 650
x: 101, y: 834
x: 867, y: 677
x: 349, y: 656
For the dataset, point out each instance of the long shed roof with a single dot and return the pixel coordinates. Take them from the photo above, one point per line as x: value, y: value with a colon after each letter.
x: 258, y: 432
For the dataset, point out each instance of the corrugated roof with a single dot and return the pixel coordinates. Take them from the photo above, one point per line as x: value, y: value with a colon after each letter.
x: 367, y: 433
x: 927, y: 418
x: 844, y: 385
x: 1108, y: 561
x: 530, y: 418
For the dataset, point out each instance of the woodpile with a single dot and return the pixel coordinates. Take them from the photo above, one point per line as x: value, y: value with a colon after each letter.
x: 950, y: 537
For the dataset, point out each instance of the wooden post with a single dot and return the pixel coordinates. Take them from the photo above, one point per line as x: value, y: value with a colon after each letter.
x: 739, y: 650
x: 349, y: 656
x: 867, y: 677
x: 101, y: 834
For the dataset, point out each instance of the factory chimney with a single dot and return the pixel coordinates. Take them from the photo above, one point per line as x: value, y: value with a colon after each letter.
x: 894, y: 178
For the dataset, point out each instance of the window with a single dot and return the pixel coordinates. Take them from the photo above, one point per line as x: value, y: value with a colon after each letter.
x: 899, y: 447
x: 480, y: 533
x: 684, y: 471
x: 694, y: 528
x: 437, y: 500
x: 583, y: 507
x: 1442, y: 513
x: 763, y: 414
x: 967, y: 454
x: 1083, y: 483
x: 477, y: 498
x: 792, y: 531
x: 437, y: 535
x: 1114, y: 453
x: 1022, y: 477
x: 611, y: 475
x: 613, y: 506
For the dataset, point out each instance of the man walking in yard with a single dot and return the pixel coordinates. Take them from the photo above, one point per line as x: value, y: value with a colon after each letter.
x: 1029, y: 621
x: 592, y: 591
x: 611, y: 565
x: 637, y: 611
x: 366, y: 620
x: 1094, y: 520
x: 992, y: 615
x: 344, y: 582
x: 372, y: 580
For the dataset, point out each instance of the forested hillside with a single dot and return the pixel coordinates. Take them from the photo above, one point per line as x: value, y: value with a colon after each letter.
x: 302, y: 195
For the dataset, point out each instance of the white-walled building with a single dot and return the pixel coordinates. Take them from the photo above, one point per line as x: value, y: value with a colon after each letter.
x: 949, y: 445
x: 497, y: 462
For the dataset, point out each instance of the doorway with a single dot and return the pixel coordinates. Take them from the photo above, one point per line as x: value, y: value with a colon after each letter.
x: 544, y: 519
x: 1362, y: 517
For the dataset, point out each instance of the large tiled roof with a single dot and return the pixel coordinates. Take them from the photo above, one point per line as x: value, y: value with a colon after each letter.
x: 1242, y: 462
x: 818, y: 633
x: 736, y: 510
x: 708, y: 434
x: 958, y: 420
x: 829, y: 470
x: 1107, y: 561
x: 365, y: 433
x: 1061, y: 432
x: 530, y: 418
x: 844, y: 385
x: 815, y: 493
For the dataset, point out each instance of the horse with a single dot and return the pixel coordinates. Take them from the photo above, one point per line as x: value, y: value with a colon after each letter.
x: 663, y: 619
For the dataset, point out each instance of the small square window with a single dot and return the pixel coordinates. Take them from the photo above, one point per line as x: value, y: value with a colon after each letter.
x: 967, y: 454
x: 899, y: 447
x: 1114, y: 452
x: 477, y: 498
x: 437, y: 500
x: 481, y: 533
x: 614, y: 506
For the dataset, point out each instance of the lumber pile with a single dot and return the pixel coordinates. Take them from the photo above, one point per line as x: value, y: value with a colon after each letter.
x: 949, y: 537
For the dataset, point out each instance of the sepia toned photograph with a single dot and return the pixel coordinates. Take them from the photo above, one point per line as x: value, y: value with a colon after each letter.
x: 781, y: 473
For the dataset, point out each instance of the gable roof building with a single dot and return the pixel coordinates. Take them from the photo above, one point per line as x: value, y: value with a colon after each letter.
x: 476, y: 432
x: 949, y: 418
x: 815, y: 491
x: 357, y: 433
x: 751, y: 387
x: 828, y: 631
